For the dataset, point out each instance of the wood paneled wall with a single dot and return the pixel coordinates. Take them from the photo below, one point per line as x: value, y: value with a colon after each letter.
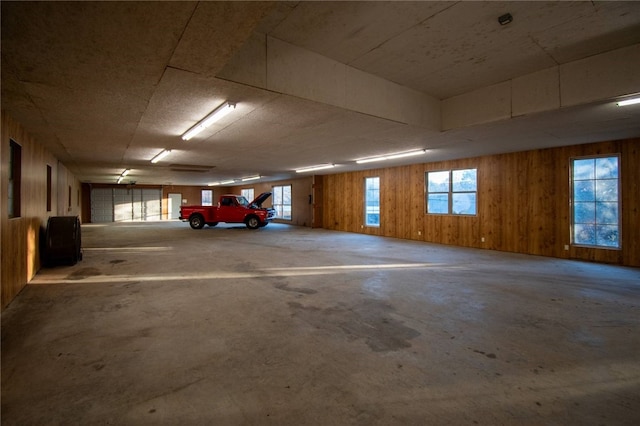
x: 523, y: 203
x: 21, y: 236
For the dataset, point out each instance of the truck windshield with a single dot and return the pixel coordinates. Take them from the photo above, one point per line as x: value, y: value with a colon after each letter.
x: 242, y: 201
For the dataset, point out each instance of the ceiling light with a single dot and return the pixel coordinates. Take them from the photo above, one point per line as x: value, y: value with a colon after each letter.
x: 630, y: 101
x: 314, y: 168
x: 251, y: 178
x: 224, y: 182
x: 214, y: 116
x: 392, y: 156
x: 161, y: 156
x: 123, y: 174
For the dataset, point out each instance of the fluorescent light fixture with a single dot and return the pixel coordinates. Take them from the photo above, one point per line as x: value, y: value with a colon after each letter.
x: 161, y: 156
x: 214, y: 116
x: 123, y: 174
x: 251, y: 178
x: 392, y: 156
x: 630, y: 101
x: 224, y: 182
x: 314, y: 168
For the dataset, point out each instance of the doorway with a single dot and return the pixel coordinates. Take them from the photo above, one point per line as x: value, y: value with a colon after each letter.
x: 175, y: 201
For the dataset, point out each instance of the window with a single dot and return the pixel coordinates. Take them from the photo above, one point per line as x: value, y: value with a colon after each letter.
x: 372, y: 201
x: 452, y: 192
x: 15, y: 178
x: 206, y: 197
x: 282, y: 201
x: 49, y: 188
x: 248, y: 194
x: 596, y: 202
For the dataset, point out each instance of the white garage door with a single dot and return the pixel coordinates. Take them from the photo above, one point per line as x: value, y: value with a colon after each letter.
x: 122, y: 204
x: 125, y: 204
x: 146, y: 204
x: 101, y: 205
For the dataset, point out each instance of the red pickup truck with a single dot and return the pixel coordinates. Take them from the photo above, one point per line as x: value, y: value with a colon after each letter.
x: 230, y: 209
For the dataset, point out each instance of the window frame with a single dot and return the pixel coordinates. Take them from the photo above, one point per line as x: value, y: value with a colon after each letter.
x: 573, y: 202
x: 49, y: 187
x: 279, y: 207
x: 14, y: 199
x: 450, y: 193
x: 367, y: 206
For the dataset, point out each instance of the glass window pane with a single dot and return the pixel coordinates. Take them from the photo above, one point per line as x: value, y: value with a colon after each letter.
x: 438, y: 203
x: 464, y: 180
x: 247, y: 193
x: 372, y: 184
x: 584, y: 234
x: 584, y: 213
x: 463, y: 203
x: 584, y: 190
x: 607, y: 213
x: 372, y: 201
x: 606, y: 168
x: 286, y: 211
x: 282, y: 201
x: 584, y: 169
x: 277, y: 195
x: 607, y: 235
x: 286, y: 195
x: 607, y: 190
x: 207, y: 197
x: 596, y: 200
x: 438, y: 181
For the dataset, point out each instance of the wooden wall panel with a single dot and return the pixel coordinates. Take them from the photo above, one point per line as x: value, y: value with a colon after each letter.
x: 388, y: 200
x: 418, y: 204
x: 318, y: 201
x: 631, y: 203
x: 21, y: 236
x: 543, y: 195
x: 523, y: 203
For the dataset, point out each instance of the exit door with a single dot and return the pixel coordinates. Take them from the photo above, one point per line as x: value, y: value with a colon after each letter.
x: 175, y: 201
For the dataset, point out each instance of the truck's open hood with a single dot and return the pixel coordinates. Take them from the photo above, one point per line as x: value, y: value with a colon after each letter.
x: 261, y: 199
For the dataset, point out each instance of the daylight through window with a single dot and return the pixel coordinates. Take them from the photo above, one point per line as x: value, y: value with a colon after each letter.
x: 282, y: 201
x: 452, y: 192
x: 372, y: 201
x: 206, y: 197
x: 248, y: 194
x: 596, y: 202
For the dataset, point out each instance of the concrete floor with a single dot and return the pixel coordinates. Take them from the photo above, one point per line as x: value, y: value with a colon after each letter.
x: 161, y: 324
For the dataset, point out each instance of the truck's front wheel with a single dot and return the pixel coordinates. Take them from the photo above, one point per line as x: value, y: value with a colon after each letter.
x: 196, y: 221
x: 252, y: 222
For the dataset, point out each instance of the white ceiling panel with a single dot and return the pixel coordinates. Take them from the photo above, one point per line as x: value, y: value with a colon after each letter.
x: 106, y: 85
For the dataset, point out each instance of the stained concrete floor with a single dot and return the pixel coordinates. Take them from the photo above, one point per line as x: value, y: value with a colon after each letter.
x: 161, y: 324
